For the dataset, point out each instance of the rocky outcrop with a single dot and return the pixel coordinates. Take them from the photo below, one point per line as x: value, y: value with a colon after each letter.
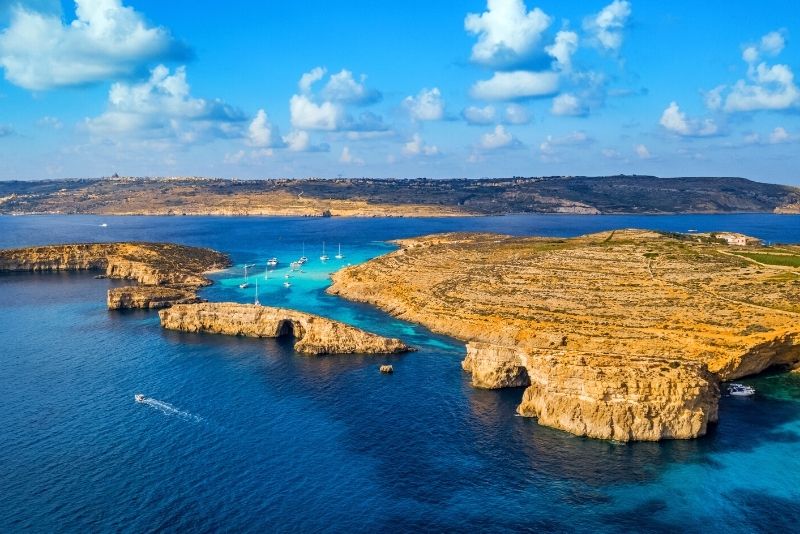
x: 621, y: 399
x: 149, y: 297
x: 168, y: 273
x: 313, y: 334
x: 495, y: 367
x: 622, y: 301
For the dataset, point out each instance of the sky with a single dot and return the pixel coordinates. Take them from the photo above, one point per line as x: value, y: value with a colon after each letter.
x: 496, y: 88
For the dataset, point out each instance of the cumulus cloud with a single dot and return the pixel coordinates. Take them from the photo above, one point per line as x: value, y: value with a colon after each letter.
x: 516, y: 85
x: 341, y: 87
x: 770, y: 44
x: 642, y: 151
x: 516, y: 114
x: 428, y: 105
x: 417, y: 147
x: 549, y: 145
x: 308, y: 79
x: 779, y: 135
x: 569, y: 105
x: 769, y: 88
x: 50, y: 122
x: 676, y: 121
x: 162, y: 106
x: 261, y: 132
x: 562, y: 49
x: 498, y: 138
x: 306, y: 114
x: 106, y: 40
x: 479, y: 116
x: 349, y: 158
x: 606, y: 27
x: 507, y: 32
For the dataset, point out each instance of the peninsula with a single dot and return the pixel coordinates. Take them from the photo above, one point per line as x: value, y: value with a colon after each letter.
x: 368, y: 197
x: 619, y: 335
x: 167, y: 273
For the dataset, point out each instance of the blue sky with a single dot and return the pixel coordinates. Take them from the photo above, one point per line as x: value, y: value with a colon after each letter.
x: 399, y: 89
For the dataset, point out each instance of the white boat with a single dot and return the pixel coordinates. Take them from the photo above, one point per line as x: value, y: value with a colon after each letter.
x: 303, y: 259
x: 256, y: 302
x: 139, y: 397
x: 740, y: 390
x: 104, y: 225
x: 272, y: 262
x: 245, y: 284
x: 287, y: 284
x: 295, y: 265
x: 324, y: 256
x: 339, y: 256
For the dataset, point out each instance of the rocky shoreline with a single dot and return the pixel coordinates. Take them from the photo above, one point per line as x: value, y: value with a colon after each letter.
x: 313, y: 334
x: 167, y: 273
x: 620, y: 335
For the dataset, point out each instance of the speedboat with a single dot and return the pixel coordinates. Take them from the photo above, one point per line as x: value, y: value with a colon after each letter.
x: 139, y: 397
x: 272, y: 262
x: 295, y: 265
x: 287, y: 284
x: 740, y: 390
x: 244, y: 285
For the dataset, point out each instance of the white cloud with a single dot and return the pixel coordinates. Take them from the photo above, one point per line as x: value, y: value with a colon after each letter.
x: 479, y: 116
x: 611, y: 153
x: 499, y: 138
x: 417, y: 147
x: 770, y: 88
x: 507, y: 32
x: 261, y: 132
x: 713, y: 98
x: 550, y: 143
x: 516, y: 85
x: 349, y: 158
x: 105, y: 41
x: 297, y: 140
x: 308, y: 115
x: 341, y: 87
x: 568, y: 105
x: 770, y: 44
x: 308, y: 79
x: 562, y: 49
x: 675, y: 121
x: 516, y: 114
x: 426, y: 106
x: 162, y: 106
x: 642, y: 151
x: 779, y: 135
x: 50, y: 122
x: 606, y: 27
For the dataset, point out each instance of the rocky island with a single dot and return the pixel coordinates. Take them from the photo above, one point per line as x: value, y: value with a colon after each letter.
x: 619, y: 335
x: 313, y: 334
x: 167, y: 273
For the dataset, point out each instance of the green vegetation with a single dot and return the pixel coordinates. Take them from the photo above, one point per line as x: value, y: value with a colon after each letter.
x: 786, y: 260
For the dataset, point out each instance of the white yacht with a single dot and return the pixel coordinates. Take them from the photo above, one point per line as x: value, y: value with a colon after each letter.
x: 256, y: 302
x: 245, y: 284
x: 324, y: 256
x: 272, y: 262
x: 303, y: 259
x: 339, y: 256
x: 740, y: 390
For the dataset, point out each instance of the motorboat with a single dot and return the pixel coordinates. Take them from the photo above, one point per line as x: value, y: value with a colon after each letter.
x: 272, y: 262
x: 295, y: 265
x: 740, y: 390
x: 287, y: 284
x: 139, y: 397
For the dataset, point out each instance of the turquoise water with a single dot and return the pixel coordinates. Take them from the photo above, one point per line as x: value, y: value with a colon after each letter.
x: 248, y: 436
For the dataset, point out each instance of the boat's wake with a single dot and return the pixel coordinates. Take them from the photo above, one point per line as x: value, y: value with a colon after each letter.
x: 168, y: 409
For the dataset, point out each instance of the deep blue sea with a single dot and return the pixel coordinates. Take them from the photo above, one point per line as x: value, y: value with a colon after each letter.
x: 245, y: 435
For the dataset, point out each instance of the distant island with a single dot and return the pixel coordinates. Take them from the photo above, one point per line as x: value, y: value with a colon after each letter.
x: 420, y: 197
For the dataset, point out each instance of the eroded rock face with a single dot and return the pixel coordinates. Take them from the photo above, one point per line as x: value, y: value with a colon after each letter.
x: 167, y: 273
x: 314, y: 334
x: 149, y: 297
x: 495, y: 366
x: 643, y: 399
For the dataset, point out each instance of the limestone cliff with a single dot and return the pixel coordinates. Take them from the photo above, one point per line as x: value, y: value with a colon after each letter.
x: 628, y: 296
x: 313, y: 334
x: 168, y: 273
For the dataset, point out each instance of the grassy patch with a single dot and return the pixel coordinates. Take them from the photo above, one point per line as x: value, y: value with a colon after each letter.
x: 785, y: 260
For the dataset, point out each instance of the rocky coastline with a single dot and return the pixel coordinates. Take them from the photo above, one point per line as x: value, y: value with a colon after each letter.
x: 313, y: 334
x: 620, y: 335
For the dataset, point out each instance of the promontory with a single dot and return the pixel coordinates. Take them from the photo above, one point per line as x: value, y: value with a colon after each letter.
x: 619, y: 335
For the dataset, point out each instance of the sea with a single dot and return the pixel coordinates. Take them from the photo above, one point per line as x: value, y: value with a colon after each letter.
x: 244, y: 435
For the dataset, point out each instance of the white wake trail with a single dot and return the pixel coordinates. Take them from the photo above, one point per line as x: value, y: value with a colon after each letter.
x: 168, y: 409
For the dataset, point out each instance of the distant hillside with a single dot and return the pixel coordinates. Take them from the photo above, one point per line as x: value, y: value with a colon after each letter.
x: 397, y: 197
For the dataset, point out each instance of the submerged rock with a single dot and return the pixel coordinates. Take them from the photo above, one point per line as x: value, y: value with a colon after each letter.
x: 313, y: 334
